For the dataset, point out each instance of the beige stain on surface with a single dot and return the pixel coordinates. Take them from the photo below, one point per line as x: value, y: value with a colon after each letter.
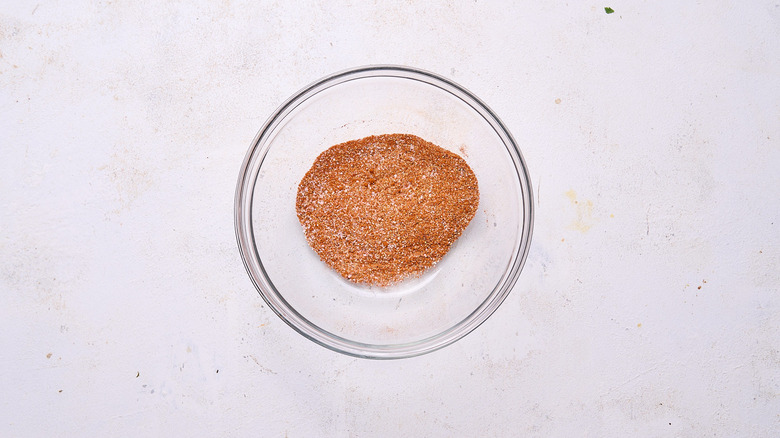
x: 131, y: 175
x: 584, y: 210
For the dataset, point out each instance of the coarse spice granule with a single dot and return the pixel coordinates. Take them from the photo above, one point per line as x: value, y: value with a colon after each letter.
x: 385, y: 208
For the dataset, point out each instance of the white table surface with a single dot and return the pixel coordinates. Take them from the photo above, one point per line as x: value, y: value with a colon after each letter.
x: 648, y: 306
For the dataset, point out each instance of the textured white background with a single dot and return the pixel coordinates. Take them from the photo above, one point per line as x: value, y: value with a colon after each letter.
x: 648, y: 307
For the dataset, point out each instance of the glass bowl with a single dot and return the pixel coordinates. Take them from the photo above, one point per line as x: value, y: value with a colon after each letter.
x: 416, y: 316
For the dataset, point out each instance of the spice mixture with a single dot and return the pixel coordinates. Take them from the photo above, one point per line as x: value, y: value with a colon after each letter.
x: 384, y: 208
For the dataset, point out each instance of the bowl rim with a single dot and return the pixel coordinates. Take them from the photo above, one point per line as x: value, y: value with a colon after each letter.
x: 250, y: 256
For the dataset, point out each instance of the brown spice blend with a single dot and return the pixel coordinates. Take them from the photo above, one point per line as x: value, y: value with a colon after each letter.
x: 385, y: 208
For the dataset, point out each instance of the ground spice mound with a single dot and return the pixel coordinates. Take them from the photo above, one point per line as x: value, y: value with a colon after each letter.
x: 384, y: 208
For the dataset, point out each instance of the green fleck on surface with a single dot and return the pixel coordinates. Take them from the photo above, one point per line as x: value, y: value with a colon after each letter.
x: 609, y: 10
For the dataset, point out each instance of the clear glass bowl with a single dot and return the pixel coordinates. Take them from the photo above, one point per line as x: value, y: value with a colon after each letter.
x: 419, y: 315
